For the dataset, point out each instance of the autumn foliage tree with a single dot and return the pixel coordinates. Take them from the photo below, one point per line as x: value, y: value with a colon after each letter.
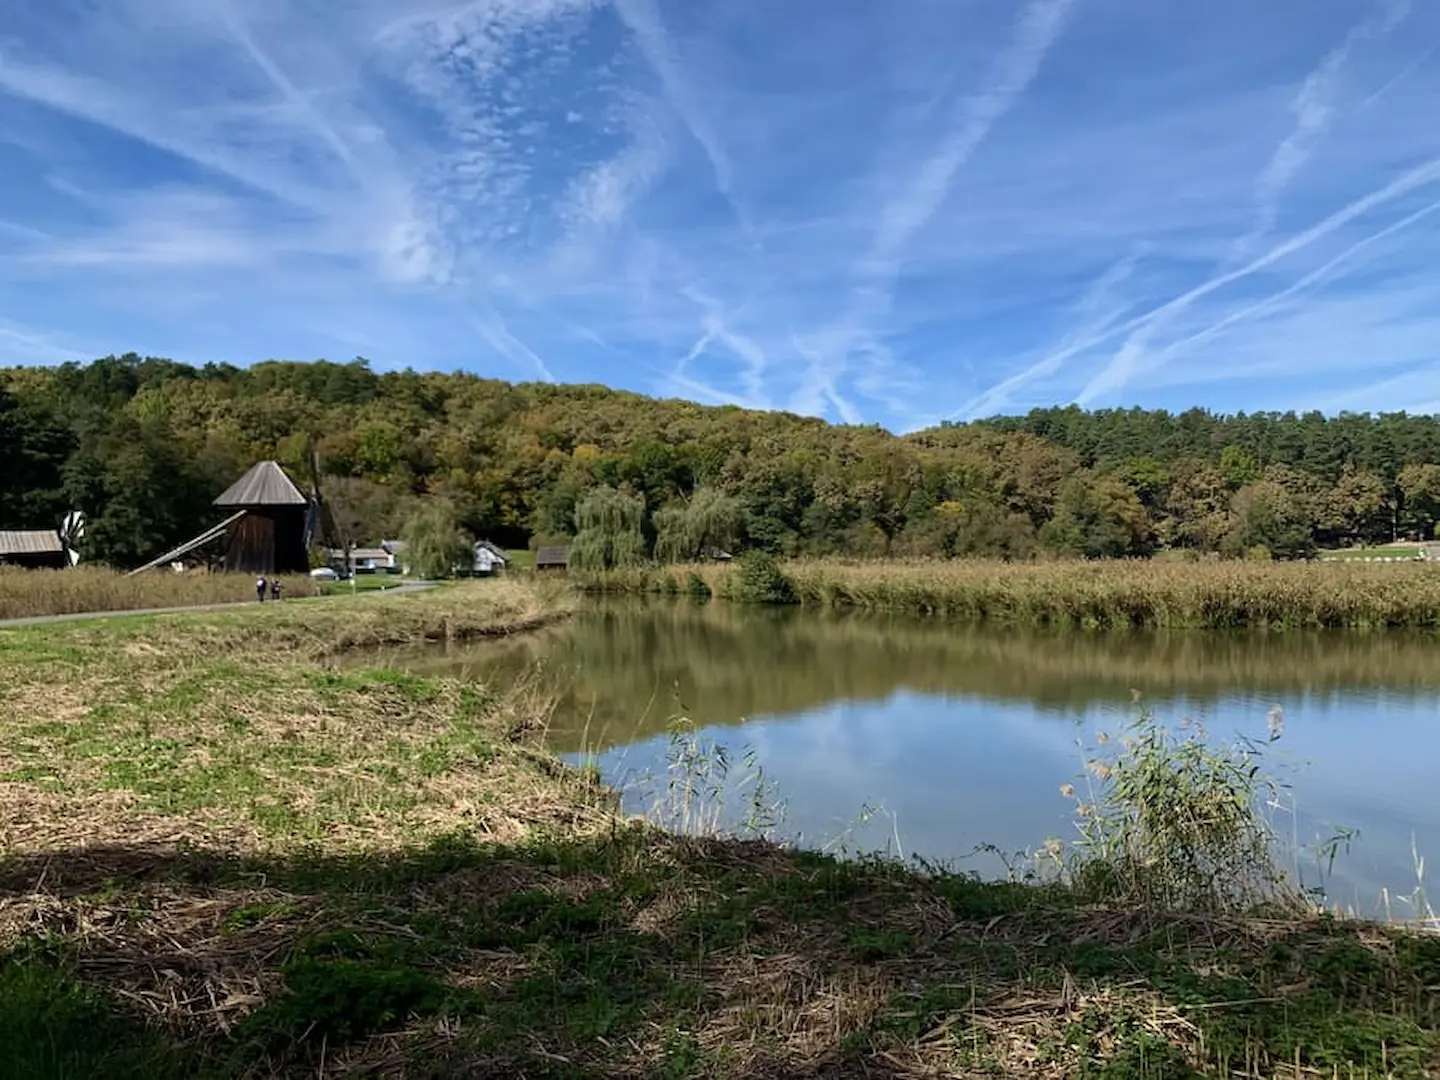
x: 142, y: 444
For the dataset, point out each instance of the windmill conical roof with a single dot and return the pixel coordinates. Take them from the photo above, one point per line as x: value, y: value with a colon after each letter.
x: 265, y: 484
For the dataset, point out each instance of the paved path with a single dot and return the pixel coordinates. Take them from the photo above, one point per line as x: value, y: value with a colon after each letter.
x: 40, y: 620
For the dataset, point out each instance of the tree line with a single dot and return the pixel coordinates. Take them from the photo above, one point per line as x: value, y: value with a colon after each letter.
x: 143, y: 445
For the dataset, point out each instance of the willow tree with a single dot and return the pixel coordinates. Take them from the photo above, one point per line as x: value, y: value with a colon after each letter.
x: 435, y: 544
x: 609, y: 530
x: 710, y: 521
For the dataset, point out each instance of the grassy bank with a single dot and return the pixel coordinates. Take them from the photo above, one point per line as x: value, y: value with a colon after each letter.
x: 30, y: 593
x: 1126, y: 593
x: 222, y: 857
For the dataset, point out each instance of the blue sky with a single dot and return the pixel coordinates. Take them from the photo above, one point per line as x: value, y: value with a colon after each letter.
x: 890, y: 211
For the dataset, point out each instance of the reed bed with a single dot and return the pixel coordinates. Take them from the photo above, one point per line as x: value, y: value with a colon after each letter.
x: 34, y: 593
x: 1101, y: 594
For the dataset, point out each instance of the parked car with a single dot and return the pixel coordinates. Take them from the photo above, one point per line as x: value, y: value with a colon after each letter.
x: 325, y: 573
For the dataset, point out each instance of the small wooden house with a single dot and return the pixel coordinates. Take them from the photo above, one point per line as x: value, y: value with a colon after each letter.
x: 552, y: 558
x: 33, y: 549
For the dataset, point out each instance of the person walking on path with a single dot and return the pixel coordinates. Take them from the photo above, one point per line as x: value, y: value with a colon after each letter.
x: 275, y: 589
x: 260, y: 589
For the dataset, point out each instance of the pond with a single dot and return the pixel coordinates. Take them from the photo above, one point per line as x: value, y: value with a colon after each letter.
x: 957, y: 736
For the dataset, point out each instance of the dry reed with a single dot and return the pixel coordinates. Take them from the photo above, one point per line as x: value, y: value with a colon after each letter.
x: 35, y: 593
x: 1113, y: 594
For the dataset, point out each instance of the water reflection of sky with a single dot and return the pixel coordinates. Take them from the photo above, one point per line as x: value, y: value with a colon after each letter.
x: 952, y: 772
x: 965, y: 733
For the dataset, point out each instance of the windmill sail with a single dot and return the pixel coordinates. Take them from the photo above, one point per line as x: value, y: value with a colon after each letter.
x: 72, y: 534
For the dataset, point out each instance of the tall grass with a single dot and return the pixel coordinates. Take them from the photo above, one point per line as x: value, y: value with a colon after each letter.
x: 1171, y: 820
x: 32, y: 593
x: 1118, y: 593
x: 704, y: 791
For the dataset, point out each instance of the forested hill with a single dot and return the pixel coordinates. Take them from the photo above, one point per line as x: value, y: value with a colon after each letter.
x: 143, y: 445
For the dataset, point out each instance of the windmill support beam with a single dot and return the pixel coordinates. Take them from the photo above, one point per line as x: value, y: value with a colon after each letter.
x: 189, y: 545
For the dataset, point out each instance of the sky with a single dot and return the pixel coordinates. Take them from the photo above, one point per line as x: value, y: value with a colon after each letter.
x: 876, y: 211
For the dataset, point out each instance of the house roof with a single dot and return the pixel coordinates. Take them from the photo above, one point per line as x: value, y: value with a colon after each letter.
x: 554, y: 555
x: 499, y: 553
x: 265, y: 484
x: 31, y: 542
x: 369, y: 553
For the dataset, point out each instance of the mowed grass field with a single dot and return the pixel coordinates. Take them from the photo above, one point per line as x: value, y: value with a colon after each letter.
x: 224, y: 854
x: 1388, y: 551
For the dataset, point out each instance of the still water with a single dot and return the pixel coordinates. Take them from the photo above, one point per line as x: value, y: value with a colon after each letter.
x: 961, y: 736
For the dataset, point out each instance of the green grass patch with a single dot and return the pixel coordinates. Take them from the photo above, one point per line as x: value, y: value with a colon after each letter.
x: 362, y: 583
x: 1389, y: 551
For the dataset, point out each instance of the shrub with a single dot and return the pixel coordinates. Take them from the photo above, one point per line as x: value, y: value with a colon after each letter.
x: 761, y: 581
x: 1179, y: 823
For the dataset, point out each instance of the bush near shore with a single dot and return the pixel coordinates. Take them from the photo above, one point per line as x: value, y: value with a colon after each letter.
x: 32, y: 593
x: 1100, y: 593
x: 223, y: 856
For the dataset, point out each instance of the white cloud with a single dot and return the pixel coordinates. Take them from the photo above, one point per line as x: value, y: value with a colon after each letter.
x: 1123, y: 365
x: 1314, y: 107
x: 20, y: 346
x: 879, y: 217
x: 916, y: 192
x: 644, y: 20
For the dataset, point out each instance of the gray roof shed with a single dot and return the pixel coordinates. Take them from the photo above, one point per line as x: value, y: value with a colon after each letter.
x: 553, y: 555
x: 30, y: 542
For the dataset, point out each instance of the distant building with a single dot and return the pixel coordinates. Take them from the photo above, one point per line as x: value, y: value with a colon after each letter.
x: 33, y: 549
x: 367, y: 560
x: 489, y: 559
x: 374, y: 560
x: 270, y: 536
x: 553, y: 557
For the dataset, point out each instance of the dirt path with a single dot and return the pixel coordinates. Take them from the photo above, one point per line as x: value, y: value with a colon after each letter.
x: 40, y: 620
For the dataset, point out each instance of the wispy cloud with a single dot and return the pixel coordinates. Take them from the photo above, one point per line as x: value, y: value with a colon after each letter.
x: 924, y: 188
x: 1124, y: 364
x: 644, y: 20
x: 918, y: 189
x: 22, y: 346
x: 1093, y: 316
x: 490, y: 326
x: 873, y: 218
x: 1313, y: 109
